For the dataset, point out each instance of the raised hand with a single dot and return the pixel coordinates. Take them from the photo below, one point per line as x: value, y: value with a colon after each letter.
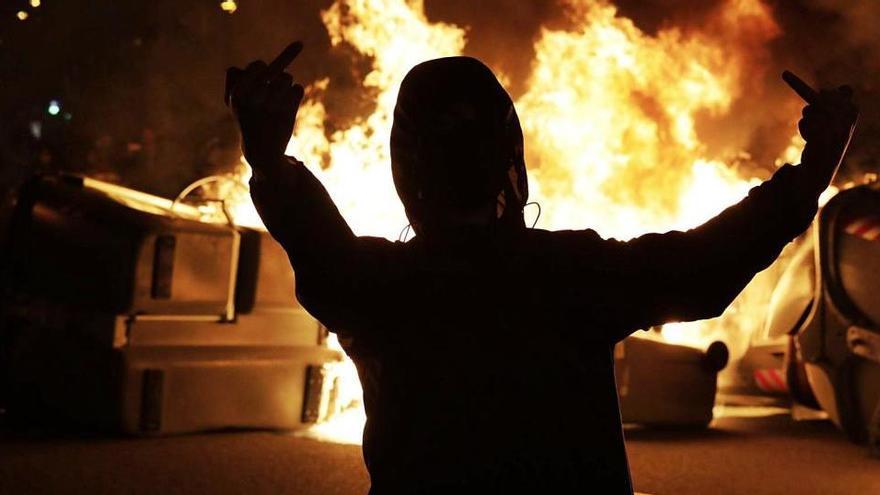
x: 265, y: 101
x: 828, y: 122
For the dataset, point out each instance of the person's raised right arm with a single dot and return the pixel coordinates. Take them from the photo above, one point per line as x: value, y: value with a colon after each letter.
x: 293, y: 204
x: 333, y: 267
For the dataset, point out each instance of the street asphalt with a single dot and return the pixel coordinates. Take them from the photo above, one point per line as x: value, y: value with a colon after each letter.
x: 767, y: 455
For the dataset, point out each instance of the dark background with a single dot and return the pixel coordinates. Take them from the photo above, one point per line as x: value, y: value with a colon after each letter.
x: 140, y: 83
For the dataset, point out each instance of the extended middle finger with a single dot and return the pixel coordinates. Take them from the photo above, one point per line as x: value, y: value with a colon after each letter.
x: 284, y: 59
x: 249, y: 80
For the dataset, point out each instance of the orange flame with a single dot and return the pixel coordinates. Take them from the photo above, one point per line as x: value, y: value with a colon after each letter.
x: 610, y: 118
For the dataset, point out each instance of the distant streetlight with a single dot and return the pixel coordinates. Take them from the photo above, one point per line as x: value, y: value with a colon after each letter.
x: 22, y: 15
x: 54, y: 107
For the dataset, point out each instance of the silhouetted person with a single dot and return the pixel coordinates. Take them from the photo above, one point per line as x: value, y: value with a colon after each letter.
x: 485, y: 347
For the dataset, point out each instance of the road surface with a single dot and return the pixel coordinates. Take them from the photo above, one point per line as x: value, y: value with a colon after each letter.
x: 766, y: 455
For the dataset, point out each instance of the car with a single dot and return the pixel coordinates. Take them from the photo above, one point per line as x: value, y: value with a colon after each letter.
x: 824, y: 317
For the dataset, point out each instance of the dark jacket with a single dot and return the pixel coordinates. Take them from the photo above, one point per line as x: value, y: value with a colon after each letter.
x: 486, y: 361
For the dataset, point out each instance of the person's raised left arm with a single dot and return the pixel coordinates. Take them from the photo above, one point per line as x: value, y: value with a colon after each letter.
x: 684, y: 276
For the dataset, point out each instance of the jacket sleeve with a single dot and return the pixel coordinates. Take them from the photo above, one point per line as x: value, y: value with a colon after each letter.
x: 692, y: 275
x: 338, y: 275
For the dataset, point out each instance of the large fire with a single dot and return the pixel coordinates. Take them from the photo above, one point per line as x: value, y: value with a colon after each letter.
x: 610, y: 117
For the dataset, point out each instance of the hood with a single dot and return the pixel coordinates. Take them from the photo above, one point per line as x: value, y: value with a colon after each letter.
x: 457, y: 146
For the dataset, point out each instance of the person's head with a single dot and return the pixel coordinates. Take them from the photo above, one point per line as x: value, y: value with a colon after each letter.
x: 457, y: 149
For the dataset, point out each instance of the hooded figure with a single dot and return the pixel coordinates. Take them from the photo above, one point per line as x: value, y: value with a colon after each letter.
x: 457, y: 149
x: 485, y: 348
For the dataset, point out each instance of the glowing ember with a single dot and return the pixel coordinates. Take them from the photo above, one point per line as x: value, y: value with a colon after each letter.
x: 228, y: 6
x: 610, y: 118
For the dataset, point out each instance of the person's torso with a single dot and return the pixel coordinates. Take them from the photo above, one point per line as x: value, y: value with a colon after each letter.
x: 479, y: 378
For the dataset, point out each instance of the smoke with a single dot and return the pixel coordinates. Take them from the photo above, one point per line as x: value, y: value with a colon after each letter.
x: 855, y: 22
x: 836, y: 42
x: 502, y: 33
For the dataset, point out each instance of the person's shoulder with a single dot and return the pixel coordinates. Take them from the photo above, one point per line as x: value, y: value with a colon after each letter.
x: 381, y: 249
x: 581, y: 246
x: 574, y: 238
x: 378, y: 244
x: 377, y: 241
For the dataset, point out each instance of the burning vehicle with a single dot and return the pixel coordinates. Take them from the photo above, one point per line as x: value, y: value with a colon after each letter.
x: 820, y: 343
x: 129, y: 312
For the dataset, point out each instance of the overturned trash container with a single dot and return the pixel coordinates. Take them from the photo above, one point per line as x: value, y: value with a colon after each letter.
x: 126, y: 312
x: 665, y: 385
